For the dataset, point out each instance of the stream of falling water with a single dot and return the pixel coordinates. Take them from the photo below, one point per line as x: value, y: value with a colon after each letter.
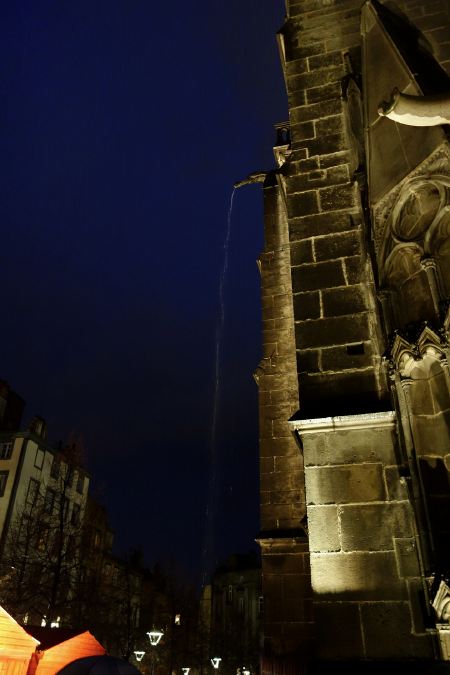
x: 211, y: 504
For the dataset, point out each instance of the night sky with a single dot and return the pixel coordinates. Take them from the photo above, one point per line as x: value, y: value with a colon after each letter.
x: 124, y: 124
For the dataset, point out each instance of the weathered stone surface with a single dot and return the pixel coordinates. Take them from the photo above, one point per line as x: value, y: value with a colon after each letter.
x: 338, y: 358
x: 372, y: 527
x: 321, y: 223
x: 310, y: 277
x: 308, y: 360
x: 339, y: 634
x: 307, y: 305
x: 350, y: 447
x: 356, y: 576
x: 406, y: 556
x: 395, y: 484
x: 332, y: 331
x: 301, y: 252
x: 323, y: 528
x: 337, y: 246
x: 339, y: 197
x: 303, y: 204
x: 345, y: 484
x: 387, y: 631
x: 349, y: 300
x: 315, y: 111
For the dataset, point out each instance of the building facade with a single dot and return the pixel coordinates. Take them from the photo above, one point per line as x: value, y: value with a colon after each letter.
x: 43, y: 494
x: 236, y: 614
x: 354, y: 380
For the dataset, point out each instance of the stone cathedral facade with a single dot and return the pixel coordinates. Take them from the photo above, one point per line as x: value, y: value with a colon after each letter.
x: 354, y: 383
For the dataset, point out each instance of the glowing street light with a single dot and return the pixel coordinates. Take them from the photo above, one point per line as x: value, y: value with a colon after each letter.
x: 139, y: 656
x: 155, y: 636
x: 185, y: 671
x: 216, y: 661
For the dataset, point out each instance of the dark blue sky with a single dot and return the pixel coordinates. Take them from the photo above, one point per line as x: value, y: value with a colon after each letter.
x: 124, y: 125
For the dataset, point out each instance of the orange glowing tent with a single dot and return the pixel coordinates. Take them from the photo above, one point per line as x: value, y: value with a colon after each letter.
x: 60, y: 646
x: 16, y: 646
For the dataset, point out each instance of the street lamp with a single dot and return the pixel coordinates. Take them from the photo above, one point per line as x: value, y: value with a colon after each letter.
x: 139, y: 656
x: 185, y: 671
x: 155, y: 637
x: 216, y: 661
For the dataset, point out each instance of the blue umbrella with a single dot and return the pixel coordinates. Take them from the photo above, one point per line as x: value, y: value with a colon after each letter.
x: 99, y: 665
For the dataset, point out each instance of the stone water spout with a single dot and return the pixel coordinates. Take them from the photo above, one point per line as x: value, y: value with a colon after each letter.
x: 417, y: 111
x: 256, y: 177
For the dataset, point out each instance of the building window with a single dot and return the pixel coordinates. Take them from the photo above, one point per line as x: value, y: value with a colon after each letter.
x: 6, y: 450
x: 33, y: 491
x: 66, y: 509
x: 241, y: 605
x: 54, y: 471
x: 69, y: 475
x: 177, y: 619
x: 39, y: 459
x: 3, y: 480
x: 80, y: 483
x: 260, y: 604
x: 49, y: 500
x: 230, y: 593
x: 75, y: 518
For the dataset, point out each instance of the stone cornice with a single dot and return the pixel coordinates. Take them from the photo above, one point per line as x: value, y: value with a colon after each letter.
x: 318, y: 425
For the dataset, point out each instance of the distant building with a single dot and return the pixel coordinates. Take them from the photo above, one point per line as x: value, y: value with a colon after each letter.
x: 236, y: 613
x: 354, y: 387
x: 43, y: 493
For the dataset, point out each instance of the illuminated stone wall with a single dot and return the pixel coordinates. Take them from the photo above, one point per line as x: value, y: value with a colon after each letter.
x: 356, y: 587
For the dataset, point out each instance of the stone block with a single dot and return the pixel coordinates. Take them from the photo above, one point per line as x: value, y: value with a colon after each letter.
x: 319, y: 78
x: 332, y: 331
x: 345, y: 484
x: 335, y: 159
x: 315, y: 111
x: 325, y: 60
x: 339, y: 358
x: 301, y: 132
x: 334, y: 124
x: 372, y: 527
x: 326, y: 145
x: 323, y: 528
x: 338, y: 245
x: 323, y: 93
x: 306, y: 305
x: 319, y: 224
x: 349, y: 300
x: 339, y: 197
x: 354, y: 269
x: 357, y: 385
x: 406, y: 556
x: 301, y: 252
x: 297, y: 67
x: 387, y: 632
x: 308, y: 361
x: 396, y: 485
x: 302, y: 204
x: 311, y: 277
x: 356, y: 576
x: 339, y: 634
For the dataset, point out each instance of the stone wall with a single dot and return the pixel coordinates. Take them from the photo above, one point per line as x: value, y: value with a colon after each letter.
x: 336, y: 325
x: 366, y: 571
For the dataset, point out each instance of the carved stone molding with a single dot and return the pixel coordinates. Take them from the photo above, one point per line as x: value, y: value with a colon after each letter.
x: 437, y: 165
x: 441, y: 602
x: 405, y: 353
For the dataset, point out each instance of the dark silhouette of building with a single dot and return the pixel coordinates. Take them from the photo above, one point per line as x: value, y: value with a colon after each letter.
x: 354, y: 380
